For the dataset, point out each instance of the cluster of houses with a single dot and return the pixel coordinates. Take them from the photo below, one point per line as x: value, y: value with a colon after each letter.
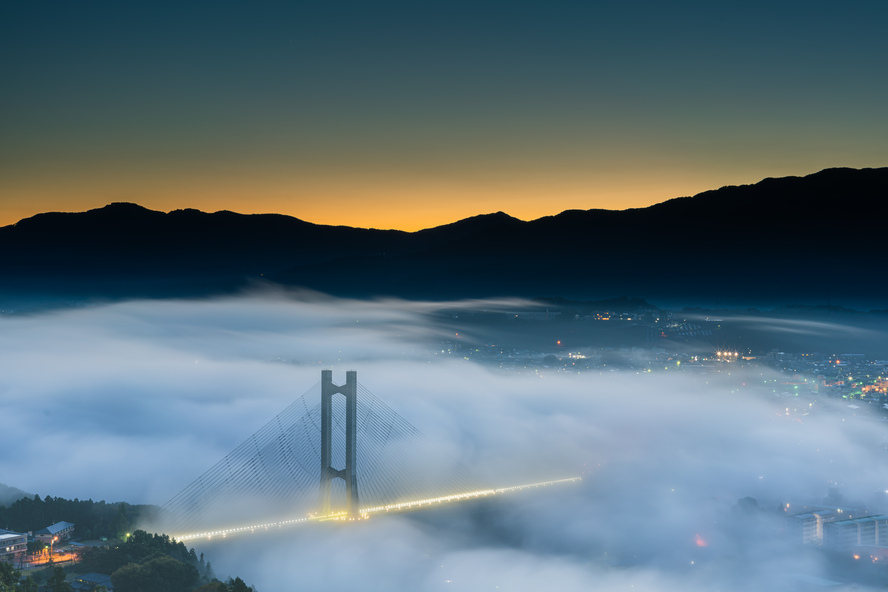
x: 14, y: 545
x: 14, y: 548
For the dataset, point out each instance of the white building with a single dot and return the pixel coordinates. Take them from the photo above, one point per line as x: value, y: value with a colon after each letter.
x: 869, y: 531
x: 58, y: 532
x: 12, y: 544
x: 808, y: 527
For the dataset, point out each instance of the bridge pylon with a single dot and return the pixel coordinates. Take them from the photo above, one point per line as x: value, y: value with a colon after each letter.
x: 349, y: 473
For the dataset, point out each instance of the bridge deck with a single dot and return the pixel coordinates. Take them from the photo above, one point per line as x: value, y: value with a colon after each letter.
x: 366, y: 513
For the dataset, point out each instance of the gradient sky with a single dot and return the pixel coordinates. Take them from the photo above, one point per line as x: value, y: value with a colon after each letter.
x: 415, y: 114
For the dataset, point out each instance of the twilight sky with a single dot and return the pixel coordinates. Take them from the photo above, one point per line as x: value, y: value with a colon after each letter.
x: 407, y: 115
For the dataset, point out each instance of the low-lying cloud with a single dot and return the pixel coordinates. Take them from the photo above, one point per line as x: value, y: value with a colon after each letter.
x: 132, y: 401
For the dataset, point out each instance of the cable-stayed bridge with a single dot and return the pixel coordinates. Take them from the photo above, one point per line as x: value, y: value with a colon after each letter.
x: 325, y: 457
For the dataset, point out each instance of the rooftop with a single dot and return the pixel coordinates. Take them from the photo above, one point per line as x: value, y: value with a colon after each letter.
x: 55, y: 528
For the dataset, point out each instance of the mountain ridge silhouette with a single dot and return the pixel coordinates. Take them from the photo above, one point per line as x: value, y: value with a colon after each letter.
x: 781, y: 237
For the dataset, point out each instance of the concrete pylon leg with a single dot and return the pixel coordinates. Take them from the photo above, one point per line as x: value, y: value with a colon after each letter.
x: 349, y: 473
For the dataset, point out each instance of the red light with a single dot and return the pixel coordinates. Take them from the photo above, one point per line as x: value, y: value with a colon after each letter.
x: 701, y: 542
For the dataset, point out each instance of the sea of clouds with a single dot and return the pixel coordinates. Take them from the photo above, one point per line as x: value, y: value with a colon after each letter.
x: 132, y: 401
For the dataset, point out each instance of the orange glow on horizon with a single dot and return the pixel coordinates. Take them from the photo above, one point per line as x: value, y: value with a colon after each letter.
x: 355, y: 198
x: 358, y: 207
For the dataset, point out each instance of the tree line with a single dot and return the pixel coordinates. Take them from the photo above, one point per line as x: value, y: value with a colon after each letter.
x: 91, y: 519
x: 154, y: 563
x: 143, y: 563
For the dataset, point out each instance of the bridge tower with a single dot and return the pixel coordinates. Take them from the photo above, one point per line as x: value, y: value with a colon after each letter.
x: 349, y: 473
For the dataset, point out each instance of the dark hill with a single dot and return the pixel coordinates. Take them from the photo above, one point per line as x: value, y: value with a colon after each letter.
x: 794, y: 239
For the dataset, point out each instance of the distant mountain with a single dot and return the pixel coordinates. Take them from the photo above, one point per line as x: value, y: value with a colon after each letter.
x: 8, y: 494
x: 812, y: 239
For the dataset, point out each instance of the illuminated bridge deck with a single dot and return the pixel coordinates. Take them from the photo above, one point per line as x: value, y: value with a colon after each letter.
x: 366, y: 513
